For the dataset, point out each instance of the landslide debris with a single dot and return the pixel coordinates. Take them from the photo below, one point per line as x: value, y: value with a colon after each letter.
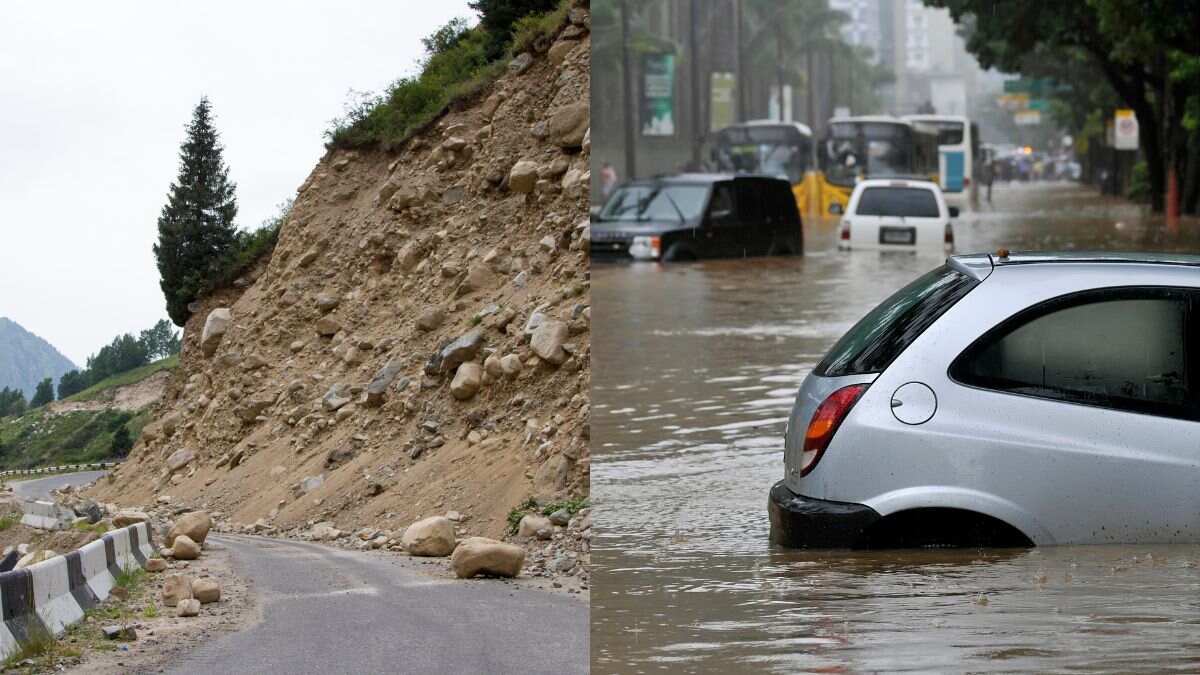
x: 419, y: 342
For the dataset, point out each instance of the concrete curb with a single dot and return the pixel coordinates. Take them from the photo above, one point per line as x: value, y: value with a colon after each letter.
x: 45, y: 598
x: 95, y: 466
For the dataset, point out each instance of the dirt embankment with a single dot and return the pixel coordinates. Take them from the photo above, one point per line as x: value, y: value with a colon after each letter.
x: 418, y: 343
x: 129, y: 398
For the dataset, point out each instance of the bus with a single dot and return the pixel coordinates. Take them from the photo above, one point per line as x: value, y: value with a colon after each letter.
x: 873, y: 146
x: 958, y: 148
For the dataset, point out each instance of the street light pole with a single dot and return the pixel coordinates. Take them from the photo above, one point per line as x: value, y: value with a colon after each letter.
x: 627, y: 95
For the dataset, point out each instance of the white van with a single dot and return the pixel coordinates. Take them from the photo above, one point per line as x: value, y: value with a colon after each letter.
x: 897, y: 214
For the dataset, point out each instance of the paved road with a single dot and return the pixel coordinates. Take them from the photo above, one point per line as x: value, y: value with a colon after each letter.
x: 41, y: 487
x: 327, y: 610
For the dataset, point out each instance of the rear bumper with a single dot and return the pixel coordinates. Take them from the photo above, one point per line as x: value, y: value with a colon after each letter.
x: 803, y: 522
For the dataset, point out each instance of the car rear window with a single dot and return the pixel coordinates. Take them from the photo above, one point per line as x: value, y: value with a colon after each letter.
x: 880, y: 336
x: 898, y: 201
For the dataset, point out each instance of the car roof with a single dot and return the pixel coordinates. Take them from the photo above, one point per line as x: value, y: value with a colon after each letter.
x: 897, y: 182
x: 700, y: 178
x: 980, y: 265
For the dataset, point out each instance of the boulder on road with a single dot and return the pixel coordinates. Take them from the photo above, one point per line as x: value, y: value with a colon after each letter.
x: 176, y: 587
x: 156, y: 565
x: 185, y: 548
x: 482, y: 556
x: 188, y: 607
x: 214, y: 328
x: 194, y: 525
x: 206, y: 590
x: 430, y: 537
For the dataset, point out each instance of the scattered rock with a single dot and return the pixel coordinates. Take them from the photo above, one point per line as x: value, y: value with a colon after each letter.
x: 206, y: 590
x: 185, y: 548
x: 337, y: 396
x: 521, y: 63
x: 377, y: 389
x: 547, y: 341
x: 215, y: 327
x: 156, y: 565
x: 179, y: 459
x: 188, y: 607
x: 467, y: 381
x: 122, y: 633
x: 176, y: 587
x: 533, y: 525
x: 522, y: 177
x: 430, y: 318
x: 128, y: 517
x: 568, y: 124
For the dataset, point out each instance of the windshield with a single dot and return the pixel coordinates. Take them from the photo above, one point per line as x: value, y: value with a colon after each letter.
x: 656, y: 202
x: 897, y: 201
x: 948, y: 133
x: 874, y: 150
x: 875, y: 341
x: 774, y: 151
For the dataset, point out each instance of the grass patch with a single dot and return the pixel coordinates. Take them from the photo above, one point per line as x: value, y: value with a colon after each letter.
x: 131, y: 580
x: 150, y: 612
x: 123, y: 379
x: 41, y: 646
x: 7, y: 521
x: 99, y: 528
x: 39, y: 439
x: 514, y: 517
x: 572, y: 506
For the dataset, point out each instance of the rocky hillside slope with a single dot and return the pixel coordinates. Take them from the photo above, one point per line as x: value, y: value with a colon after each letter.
x: 26, y: 359
x: 418, y: 343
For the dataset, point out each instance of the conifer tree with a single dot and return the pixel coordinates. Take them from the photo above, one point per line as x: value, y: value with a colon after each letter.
x: 195, y: 230
x: 44, y: 393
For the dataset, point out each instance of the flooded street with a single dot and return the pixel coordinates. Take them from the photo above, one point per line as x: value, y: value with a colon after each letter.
x: 697, y: 366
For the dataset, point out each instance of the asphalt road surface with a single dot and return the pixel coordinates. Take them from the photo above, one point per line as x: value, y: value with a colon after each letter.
x: 41, y: 487
x: 325, y: 610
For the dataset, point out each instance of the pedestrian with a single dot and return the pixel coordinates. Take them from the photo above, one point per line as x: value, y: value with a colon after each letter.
x: 608, y: 179
x: 989, y: 175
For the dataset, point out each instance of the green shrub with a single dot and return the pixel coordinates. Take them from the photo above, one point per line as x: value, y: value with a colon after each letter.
x: 499, y: 19
x: 460, y: 63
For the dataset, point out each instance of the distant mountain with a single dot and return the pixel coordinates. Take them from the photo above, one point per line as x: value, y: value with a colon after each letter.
x: 26, y: 359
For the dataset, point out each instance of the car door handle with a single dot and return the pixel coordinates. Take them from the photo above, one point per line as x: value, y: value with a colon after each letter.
x: 896, y: 403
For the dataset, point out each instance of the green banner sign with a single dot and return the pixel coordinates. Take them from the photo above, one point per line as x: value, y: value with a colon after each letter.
x: 658, y: 95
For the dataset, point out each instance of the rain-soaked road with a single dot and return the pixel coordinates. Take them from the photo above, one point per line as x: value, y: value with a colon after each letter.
x: 697, y: 366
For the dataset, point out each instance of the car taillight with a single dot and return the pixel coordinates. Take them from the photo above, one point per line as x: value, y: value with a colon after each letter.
x: 825, y: 422
x: 966, y: 181
x: 845, y: 230
x: 949, y: 234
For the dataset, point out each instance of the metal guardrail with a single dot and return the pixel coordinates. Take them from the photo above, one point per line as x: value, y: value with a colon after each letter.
x: 94, y: 466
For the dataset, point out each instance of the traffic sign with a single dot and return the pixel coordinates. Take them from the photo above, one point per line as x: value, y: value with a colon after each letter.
x: 1125, y: 130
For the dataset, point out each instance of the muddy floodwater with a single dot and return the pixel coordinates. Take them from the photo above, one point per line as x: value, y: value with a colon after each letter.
x: 696, y: 368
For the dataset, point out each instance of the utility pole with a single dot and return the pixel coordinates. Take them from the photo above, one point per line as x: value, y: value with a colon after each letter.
x: 738, y: 83
x: 1172, y: 196
x: 628, y: 96
x: 698, y: 117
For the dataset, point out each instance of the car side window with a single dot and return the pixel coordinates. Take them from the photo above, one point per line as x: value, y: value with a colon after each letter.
x: 751, y: 198
x: 1129, y: 349
x: 720, y: 207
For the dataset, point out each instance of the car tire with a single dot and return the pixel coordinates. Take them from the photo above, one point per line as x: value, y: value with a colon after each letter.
x: 679, y: 253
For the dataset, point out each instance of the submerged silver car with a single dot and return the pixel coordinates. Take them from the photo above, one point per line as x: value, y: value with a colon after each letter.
x: 1024, y: 399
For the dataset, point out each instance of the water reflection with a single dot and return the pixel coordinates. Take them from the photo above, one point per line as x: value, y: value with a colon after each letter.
x: 696, y: 367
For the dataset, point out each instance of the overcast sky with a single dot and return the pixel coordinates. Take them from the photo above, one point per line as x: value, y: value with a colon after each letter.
x: 94, y: 97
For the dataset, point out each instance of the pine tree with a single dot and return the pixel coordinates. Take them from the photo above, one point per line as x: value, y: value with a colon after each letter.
x: 43, y: 394
x: 195, y: 230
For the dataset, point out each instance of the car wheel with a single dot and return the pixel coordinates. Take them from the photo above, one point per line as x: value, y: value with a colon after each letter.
x: 679, y: 253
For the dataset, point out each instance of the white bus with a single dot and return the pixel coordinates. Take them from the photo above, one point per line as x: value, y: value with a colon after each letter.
x: 958, y: 147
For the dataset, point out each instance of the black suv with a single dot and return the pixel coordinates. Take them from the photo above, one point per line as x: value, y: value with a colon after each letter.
x: 693, y: 216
